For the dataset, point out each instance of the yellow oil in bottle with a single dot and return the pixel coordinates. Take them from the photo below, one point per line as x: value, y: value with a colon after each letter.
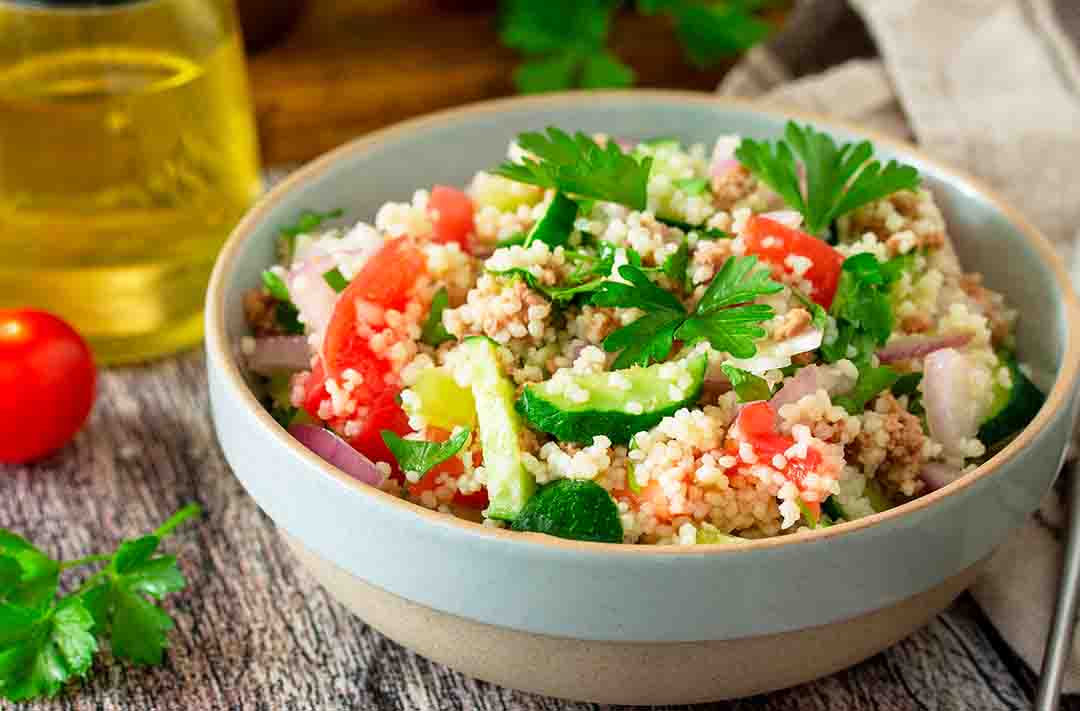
x: 122, y: 169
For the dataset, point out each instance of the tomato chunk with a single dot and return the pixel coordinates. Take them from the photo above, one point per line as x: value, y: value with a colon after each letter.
x: 384, y: 281
x: 757, y: 423
x: 384, y: 413
x: 774, y: 242
x: 453, y: 212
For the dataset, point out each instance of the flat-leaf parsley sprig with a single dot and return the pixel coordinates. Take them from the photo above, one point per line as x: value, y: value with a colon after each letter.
x: 723, y: 316
x: 48, y: 639
x: 578, y: 165
x: 838, y: 179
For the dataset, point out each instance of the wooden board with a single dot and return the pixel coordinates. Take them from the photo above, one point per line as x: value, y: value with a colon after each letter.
x: 351, y: 66
x: 254, y: 633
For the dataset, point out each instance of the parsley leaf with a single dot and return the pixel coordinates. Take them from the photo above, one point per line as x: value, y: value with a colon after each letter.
x: 276, y: 286
x: 720, y: 319
x: 420, y: 456
x: 308, y: 221
x: 40, y: 651
x: 28, y: 577
x: 650, y: 337
x: 838, y: 179
x: 578, y: 165
x: 605, y: 70
x: 336, y: 280
x: 748, y: 386
x: 723, y: 317
x: 433, y: 332
x: 676, y: 264
x: 45, y: 642
x: 872, y: 381
x: 864, y: 317
x: 709, y: 32
x: 692, y: 186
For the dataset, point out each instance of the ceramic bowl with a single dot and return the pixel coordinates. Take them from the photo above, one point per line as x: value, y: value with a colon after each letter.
x: 618, y: 623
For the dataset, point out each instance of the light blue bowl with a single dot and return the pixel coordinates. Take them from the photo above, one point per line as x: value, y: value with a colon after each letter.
x: 634, y: 624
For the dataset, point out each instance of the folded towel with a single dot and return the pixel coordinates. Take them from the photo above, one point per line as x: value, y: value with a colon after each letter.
x: 992, y: 87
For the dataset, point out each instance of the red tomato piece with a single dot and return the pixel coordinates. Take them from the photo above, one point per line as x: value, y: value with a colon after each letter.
x: 47, y: 378
x: 385, y: 280
x: 384, y: 413
x: 757, y: 423
x: 453, y: 215
x: 315, y: 390
x: 773, y: 242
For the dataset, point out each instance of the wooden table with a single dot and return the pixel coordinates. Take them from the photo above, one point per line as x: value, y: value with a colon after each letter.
x: 255, y: 633
x: 351, y: 66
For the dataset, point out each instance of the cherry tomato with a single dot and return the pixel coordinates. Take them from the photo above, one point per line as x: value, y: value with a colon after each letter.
x: 454, y: 215
x: 47, y: 382
x: 774, y: 242
x: 384, y: 414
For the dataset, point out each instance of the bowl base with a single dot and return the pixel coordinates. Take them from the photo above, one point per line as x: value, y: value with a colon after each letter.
x: 647, y: 673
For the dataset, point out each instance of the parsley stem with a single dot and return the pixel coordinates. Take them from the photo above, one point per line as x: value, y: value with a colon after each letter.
x: 69, y: 564
x: 178, y: 518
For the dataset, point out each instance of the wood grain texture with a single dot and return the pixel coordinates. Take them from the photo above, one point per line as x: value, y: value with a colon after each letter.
x: 253, y: 633
x: 351, y: 66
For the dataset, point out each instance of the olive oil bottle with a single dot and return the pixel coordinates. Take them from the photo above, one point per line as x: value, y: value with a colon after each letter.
x: 127, y: 153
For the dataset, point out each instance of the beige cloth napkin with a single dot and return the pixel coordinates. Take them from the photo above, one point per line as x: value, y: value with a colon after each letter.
x: 992, y: 87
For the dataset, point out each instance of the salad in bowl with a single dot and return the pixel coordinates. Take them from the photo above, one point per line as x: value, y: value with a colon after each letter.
x: 645, y: 342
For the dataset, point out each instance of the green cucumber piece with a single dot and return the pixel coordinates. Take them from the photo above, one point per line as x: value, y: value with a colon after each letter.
x: 509, y: 484
x: 617, y: 413
x: 711, y: 534
x: 1014, y: 408
x: 557, y: 223
x: 578, y: 509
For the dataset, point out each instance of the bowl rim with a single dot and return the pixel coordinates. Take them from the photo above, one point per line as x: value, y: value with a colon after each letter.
x: 219, y: 349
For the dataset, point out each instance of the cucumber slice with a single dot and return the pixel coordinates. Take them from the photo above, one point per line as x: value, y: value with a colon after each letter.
x: 617, y: 405
x: 554, y: 228
x: 711, y: 534
x: 578, y: 509
x: 1013, y: 408
x: 509, y: 484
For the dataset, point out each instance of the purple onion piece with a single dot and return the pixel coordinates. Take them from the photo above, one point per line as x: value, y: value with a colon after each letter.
x: 920, y: 346
x: 276, y: 354
x: 338, y: 452
x: 936, y: 475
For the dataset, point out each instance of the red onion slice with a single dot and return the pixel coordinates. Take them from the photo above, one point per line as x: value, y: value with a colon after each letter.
x: 338, y: 452
x: 936, y: 475
x: 723, y: 156
x: 804, y: 382
x: 314, y: 298
x: 920, y: 346
x: 276, y: 354
x: 950, y: 408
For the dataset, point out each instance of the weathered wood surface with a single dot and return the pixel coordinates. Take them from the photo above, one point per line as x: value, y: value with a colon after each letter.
x: 254, y: 633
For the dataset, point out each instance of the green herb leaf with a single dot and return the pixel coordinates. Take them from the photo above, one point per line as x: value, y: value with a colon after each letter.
x: 551, y: 73
x: 336, y: 280
x: 606, y: 71
x: 29, y: 578
x: 748, y: 386
x: 907, y: 384
x: 675, y: 266
x: 872, y: 381
x: 513, y: 240
x: 420, y: 456
x: 309, y: 221
x: 288, y: 317
x: 433, y: 332
x: 739, y: 281
x: 692, y: 186
x: 40, y: 651
x: 639, y: 293
x: 579, y: 166
x: 838, y: 179
x: 711, y: 32
x: 556, y: 225
x: 731, y: 330
x: 284, y: 416
x: 276, y: 286
x: 819, y: 317
x: 862, y: 309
